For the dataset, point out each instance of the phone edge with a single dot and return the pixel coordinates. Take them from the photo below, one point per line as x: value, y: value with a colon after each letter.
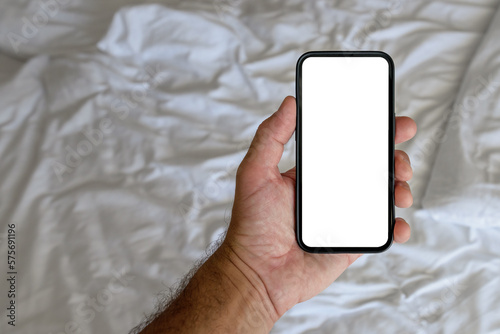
x: 298, y: 154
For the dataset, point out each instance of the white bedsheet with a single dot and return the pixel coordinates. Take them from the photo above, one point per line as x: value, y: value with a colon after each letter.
x: 465, y: 183
x: 160, y: 112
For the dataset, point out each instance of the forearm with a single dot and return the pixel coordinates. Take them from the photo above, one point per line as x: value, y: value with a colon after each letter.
x: 220, y: 298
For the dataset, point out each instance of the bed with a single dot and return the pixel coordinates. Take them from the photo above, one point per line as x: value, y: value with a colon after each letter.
x: 122, y: 125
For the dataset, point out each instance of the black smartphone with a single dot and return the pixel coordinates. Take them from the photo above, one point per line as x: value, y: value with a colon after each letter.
x: 345, y: 151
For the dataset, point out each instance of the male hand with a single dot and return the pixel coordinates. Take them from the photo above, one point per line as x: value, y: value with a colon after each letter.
x: 259, y: 271
x: 261, y: 237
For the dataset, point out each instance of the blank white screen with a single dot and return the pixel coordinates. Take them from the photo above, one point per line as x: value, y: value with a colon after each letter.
x: 345, y: 112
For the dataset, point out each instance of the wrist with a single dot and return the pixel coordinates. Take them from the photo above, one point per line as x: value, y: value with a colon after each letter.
x: 223, y: 296
x: 258, y: 307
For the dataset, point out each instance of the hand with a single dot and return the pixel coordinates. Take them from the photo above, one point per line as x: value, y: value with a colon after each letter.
x: 261, y: 237
x: 259, y: 272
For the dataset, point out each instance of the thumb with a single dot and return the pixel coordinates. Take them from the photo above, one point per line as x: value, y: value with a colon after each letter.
x: 271, y: 136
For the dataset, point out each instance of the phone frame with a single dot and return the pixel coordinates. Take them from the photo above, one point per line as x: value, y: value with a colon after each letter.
x: 298, y: 152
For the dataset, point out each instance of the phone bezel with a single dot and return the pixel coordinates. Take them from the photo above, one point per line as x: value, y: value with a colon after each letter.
x: 298, y: 152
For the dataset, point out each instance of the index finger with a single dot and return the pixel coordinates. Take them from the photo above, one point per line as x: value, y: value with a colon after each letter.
x: 406, y: 128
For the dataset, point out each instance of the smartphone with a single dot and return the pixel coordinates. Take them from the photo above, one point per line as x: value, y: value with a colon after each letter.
x: 345, y: 151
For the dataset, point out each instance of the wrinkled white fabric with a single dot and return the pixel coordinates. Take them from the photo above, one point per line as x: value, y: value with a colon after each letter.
x: 120, y: 140
x: 465, y: 183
